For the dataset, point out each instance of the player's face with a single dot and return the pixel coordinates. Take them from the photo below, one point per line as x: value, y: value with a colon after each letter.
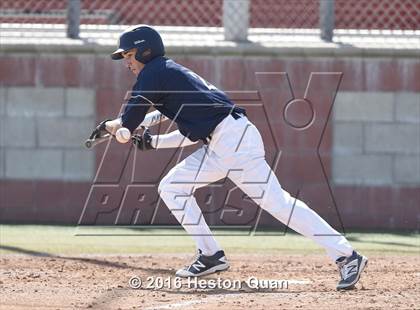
x: 131, y: 63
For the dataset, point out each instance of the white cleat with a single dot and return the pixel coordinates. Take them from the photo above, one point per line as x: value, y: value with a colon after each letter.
x: 203, y: 265
x: 350, y: 270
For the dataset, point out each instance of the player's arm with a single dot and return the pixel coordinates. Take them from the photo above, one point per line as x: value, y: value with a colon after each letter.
x: 145, y: 93
x: 151, y: 119
x: 146, y: 141
x: 134, y: 112
x: 171, y: 140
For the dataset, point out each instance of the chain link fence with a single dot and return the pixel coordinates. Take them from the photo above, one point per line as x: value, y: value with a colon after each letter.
x: 284, y: 14
x: 201, y: 13
x: 235, y: 15
x: 349, y: 14
x: 378, y: 14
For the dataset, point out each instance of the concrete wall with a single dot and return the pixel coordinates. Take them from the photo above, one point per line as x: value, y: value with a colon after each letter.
x: 41, y: 129
x: 377, y: 138
x: 366, y: 174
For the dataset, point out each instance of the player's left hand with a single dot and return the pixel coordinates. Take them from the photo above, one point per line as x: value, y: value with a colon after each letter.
x: 143, y: 141
x: 100, y: 130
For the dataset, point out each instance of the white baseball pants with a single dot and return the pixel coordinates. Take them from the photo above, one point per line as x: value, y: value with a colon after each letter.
x: 236, y: 151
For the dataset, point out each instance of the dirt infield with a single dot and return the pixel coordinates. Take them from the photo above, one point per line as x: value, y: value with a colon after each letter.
x: 101, y: 282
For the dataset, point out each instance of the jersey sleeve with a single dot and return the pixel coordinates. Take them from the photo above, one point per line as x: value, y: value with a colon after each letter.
x: 145, y: 92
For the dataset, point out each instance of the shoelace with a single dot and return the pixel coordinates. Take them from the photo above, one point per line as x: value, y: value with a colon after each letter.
x: 340, y: 266
x: 344, y: 269
x: 196, y: 257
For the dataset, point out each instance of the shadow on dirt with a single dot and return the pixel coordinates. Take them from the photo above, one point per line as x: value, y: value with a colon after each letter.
x: 362, y: 240
x: 94, y: 261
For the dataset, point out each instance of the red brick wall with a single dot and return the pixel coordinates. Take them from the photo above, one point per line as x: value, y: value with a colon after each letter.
x: 299, y: 169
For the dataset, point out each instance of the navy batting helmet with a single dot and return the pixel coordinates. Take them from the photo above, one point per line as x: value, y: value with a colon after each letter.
x: 147, y: 41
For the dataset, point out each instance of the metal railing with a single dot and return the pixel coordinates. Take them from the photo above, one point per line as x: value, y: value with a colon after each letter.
x: 235, y: 16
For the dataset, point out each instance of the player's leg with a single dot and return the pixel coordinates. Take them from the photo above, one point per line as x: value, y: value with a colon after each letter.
x: 261, y: 184
x: 177, y: 191
x: 253, y: 175
x: 243, y: 154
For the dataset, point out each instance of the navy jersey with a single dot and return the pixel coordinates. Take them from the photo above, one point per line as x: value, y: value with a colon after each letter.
x: 195, y: 105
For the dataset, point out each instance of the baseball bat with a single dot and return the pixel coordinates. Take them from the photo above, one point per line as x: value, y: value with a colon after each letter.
x: 151, y: 119
x: 89, y: 143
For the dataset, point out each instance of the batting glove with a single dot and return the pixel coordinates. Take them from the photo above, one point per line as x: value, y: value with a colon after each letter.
x: 143, y: 141
x: 100, y: 130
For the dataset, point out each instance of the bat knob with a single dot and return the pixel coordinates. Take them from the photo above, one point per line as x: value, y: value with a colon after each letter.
x: 88, y: 144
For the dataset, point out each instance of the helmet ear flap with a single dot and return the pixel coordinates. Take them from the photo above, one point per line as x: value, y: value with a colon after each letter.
x: 143, y: 56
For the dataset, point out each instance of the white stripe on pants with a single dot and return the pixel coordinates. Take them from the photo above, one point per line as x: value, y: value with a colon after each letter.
x: 236, y: 150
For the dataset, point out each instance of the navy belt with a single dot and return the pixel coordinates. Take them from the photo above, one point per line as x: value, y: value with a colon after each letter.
x: 236, y: 115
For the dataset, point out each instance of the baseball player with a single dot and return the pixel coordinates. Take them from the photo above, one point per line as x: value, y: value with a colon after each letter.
x: 232, y: 147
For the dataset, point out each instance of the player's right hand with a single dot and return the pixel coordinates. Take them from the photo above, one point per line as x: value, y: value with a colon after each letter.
x: 143, y: 141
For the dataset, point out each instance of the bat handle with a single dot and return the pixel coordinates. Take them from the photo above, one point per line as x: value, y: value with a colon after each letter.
x: 89, y: 143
